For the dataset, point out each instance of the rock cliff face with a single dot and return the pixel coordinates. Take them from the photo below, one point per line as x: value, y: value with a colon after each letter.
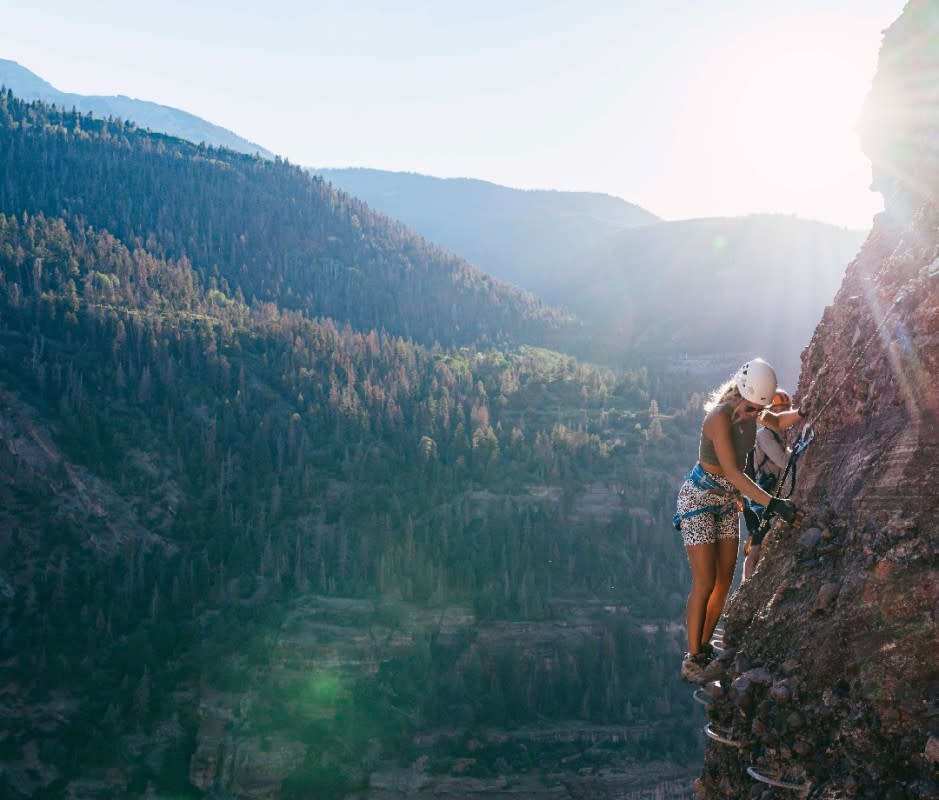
x: 832, y: 679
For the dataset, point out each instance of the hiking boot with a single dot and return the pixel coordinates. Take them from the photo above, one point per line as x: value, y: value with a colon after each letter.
x: 693, y: 667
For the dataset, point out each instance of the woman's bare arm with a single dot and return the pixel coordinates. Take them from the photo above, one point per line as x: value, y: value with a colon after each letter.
x: 780, y: 422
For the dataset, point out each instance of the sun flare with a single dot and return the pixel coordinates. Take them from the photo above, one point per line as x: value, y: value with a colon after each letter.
x: 796, y: 118
x: 770, y: 122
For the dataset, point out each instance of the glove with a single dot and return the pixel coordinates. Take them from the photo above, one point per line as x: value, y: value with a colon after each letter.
x: 786, y: 509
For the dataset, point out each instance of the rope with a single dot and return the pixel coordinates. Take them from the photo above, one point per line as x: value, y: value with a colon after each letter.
x: 805, y: 439
x: 870, y: 341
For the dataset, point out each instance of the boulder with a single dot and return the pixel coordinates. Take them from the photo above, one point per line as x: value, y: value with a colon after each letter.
x: 826, y: 597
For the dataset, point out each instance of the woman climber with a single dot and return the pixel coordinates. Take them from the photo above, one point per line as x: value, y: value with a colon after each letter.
x: 712, y: 495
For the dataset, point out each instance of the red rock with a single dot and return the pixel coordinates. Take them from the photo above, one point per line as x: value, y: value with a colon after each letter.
x: 859, y: 621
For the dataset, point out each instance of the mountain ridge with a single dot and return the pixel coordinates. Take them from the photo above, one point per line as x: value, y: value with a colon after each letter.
x: 616, y: 272
x: 505, y: 231
x: 334, y: 257
x: 693, y: 286
x: 145, y: 113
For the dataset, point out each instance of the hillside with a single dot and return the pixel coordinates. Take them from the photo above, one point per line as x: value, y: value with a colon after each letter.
x: 233, y: 532
x: 522, y: 237
x: 641, y: 287
x: 272, y: 527
x: 145, y: 114
x: 264, y: 230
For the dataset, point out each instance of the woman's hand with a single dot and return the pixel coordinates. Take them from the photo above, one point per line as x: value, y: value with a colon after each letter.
x: 805, y: 407
x: 786, y: 510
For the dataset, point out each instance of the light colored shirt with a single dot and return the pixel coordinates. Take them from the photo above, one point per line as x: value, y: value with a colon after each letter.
x: 771, y: 455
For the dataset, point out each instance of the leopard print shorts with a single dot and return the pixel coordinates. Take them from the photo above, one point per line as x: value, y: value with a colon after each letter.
x: 707, y: 527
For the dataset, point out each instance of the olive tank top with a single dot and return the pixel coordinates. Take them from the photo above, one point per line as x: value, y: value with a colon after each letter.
x: 742, y: 436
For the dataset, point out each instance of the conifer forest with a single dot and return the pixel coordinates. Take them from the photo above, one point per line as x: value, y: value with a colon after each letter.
x: 265, y: 450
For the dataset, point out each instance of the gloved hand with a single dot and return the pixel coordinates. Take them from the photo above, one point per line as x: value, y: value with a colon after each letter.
x: 786, y: 509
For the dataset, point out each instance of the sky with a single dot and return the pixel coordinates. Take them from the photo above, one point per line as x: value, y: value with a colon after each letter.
x: 689, y: 108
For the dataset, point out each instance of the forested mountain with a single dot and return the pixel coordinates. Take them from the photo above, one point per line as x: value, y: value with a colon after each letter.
x: 159, y: 118
x: 284, y: 509
x: 640, y: 286
x: 523, y: 237
x: 265, y: 230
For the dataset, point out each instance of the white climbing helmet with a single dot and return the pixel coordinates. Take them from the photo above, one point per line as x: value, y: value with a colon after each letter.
x: 756, y: 381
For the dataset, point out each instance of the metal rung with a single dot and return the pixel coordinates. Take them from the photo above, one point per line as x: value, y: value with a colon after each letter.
x: 711, y: 733
x: 802, y: 788
x: 702, y: 697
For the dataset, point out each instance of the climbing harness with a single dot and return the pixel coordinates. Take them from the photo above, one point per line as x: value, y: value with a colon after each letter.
x: 802, y: 788
x: 806, y: 437
x: 702, y: 479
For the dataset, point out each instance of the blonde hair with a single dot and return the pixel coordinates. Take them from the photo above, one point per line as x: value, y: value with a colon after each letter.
x: 726, y: 391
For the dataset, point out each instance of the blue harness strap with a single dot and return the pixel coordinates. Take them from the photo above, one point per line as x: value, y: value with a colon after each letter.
x: 703, y: 479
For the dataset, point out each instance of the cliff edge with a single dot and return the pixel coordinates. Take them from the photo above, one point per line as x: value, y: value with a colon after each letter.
x: 832, y: 682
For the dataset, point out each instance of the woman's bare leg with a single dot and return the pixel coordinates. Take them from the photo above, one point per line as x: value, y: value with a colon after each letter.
x: 726, y: 557
x: 703, y: 561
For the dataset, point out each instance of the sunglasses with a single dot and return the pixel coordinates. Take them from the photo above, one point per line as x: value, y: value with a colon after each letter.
x: 751, y: 409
